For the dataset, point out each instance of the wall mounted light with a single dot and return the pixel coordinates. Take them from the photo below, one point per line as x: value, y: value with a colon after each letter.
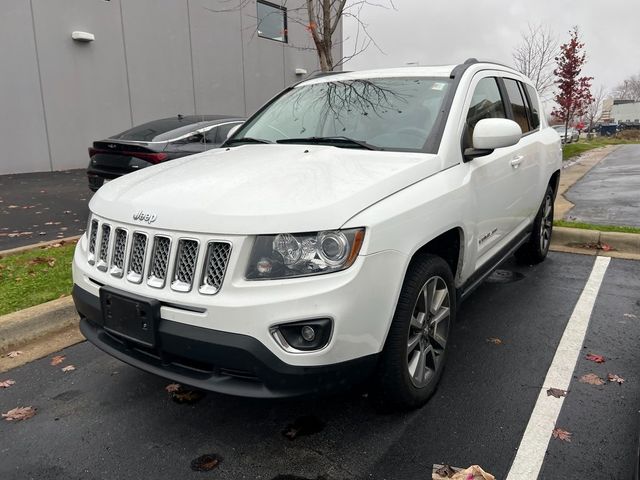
x: 83, y: 36
x: 301, y: 71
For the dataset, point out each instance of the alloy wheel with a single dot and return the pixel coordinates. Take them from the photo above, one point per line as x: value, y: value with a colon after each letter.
x: 428, y: 331
x: 546, y: 224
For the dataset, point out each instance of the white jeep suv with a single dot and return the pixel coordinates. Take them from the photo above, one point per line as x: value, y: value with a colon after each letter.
x: 329, y: 241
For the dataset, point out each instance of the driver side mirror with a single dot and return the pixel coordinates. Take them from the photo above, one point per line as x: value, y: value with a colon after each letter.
x: 492, y: 133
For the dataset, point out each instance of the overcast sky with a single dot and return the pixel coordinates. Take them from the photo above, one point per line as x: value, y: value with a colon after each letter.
x: 450, y: 31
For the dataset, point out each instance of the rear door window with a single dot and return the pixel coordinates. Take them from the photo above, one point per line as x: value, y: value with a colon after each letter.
x: 518, y: 104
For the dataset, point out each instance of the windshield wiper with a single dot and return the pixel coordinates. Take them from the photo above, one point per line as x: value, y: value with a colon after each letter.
x: 232, y: 141
x: 336, y: 141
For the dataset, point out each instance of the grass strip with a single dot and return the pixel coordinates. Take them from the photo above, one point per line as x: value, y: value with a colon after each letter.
x: 571, y: 150
x: 591, y: 226
x: 34, y: 277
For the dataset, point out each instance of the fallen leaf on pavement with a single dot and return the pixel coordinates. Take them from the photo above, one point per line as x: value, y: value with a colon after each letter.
x: 173, y: 387
x: 68, y: 368
x: 615, y: 378
x: 556, y: 392
x: 306, y: 425
x: 606, y: 247
x: 179, y: 394
x: 19, y: 413
x: 14, y: 354
x: 443, y: 471
x: 494, y: 340
x: 57, y: 360
x: 7, y: 383
x: 561, y: 434
x: 595, y: 358
x: 591, y: 379
x: 630, y: 315
x: 206, y: 462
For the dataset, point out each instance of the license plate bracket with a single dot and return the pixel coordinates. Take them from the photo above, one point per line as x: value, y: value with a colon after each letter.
x: 132, y: 317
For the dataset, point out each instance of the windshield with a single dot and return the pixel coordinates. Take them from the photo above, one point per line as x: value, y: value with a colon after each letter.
x: 386, y: 113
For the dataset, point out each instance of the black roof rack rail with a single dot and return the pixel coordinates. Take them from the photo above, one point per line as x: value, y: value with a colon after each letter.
x: 459, y: 69
x: 325, y: 74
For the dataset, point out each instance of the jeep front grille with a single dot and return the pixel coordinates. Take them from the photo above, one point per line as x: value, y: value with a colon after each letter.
x: 185, y: 265
x: 136, y: 260
x: 164, y: 259
x: 159, y: 262
x: 104, y: 247
x: 215, y: 267
x: 119, y: 249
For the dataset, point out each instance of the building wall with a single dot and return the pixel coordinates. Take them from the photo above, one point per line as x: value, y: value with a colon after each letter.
x: 626, y: 112
x: 150, y: 59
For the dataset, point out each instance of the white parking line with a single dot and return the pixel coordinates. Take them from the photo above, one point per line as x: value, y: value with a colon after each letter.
x: 532, y: 449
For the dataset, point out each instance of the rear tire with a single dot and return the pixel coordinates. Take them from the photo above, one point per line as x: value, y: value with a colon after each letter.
x: 415, y: 351
x: 537, y: 247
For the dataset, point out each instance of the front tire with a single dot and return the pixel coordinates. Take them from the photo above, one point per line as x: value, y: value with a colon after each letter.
x: 537, y: 247
x: 415, y: 351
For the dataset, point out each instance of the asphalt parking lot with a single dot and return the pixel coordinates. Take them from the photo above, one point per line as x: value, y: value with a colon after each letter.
x: 107, y: 420
x: 37, y: 207
x: 608, y: 194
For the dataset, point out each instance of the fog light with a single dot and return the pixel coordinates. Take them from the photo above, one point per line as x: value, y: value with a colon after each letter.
x: 308, y: 333
x: 303, y: 336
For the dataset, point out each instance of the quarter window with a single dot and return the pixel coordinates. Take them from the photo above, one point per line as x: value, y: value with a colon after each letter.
x: 534, y: 105
x: 518, y: 105
x: 485, y: 103
x: 272, y: 21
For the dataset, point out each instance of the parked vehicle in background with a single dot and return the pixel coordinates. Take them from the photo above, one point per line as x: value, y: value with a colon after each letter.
x: 155, y: 142
x: 332, y: 239
x: 565, y: 135
x: 574, y: 134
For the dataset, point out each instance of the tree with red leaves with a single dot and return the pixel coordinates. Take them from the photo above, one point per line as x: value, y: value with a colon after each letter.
x: 574, y: 91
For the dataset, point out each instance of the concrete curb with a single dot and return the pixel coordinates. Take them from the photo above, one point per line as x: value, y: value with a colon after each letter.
x: 624, y: 245
x: 21, y: 327
x: 34, y: 246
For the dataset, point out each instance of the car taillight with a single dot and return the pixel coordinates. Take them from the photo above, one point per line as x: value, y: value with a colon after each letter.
x: 154, y: 157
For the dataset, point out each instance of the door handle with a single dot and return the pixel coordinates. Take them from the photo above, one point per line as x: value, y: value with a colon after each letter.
x: 516, y: 161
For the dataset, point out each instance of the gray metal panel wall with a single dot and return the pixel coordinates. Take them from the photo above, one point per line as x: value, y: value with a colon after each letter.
x: 150, y: 59
x: 22, y: 129
x: 84, y: 84
x: 158, y: 50
x: 217, y: 58
x: 263, y: 62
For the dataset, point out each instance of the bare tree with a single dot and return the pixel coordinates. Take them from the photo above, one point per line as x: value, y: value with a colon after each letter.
x: 593, y: 112
x: 322, y: 18
x: 535, y: 57
x: 629, y: 89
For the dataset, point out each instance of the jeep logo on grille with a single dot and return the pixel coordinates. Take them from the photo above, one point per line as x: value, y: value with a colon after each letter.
x: 144, y: 217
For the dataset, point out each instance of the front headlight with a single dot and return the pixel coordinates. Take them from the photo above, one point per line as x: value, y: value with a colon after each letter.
x: 295, y: 255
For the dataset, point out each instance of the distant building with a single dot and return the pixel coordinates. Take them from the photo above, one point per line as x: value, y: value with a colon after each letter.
x: 74, y: 71
x: 626, y: 112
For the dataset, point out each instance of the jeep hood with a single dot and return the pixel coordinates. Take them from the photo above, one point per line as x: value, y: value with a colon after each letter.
x: 255, y: 189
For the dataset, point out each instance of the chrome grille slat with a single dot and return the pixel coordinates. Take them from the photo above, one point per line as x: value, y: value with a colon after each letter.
x: 118, y: 254
x: 185, y: 265
x: 159, y: 261
x: 104, y: 247
x: 137, y: 257
x: 93, y: 235
x: 217, y: 258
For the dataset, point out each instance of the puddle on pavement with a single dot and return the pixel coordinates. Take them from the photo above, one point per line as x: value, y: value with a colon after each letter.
x: 504, y: 276
x: 307, y: 425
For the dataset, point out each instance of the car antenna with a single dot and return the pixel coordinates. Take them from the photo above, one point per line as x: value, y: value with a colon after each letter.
x: 180, y: 116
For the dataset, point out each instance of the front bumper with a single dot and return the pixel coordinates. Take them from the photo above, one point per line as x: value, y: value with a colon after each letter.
x: 223, y: 362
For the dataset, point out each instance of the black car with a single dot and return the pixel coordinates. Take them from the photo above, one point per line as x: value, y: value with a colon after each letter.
x: 155, y: 142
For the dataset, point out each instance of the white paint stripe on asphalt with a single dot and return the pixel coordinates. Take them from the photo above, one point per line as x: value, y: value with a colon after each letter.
x: 532, y: 449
